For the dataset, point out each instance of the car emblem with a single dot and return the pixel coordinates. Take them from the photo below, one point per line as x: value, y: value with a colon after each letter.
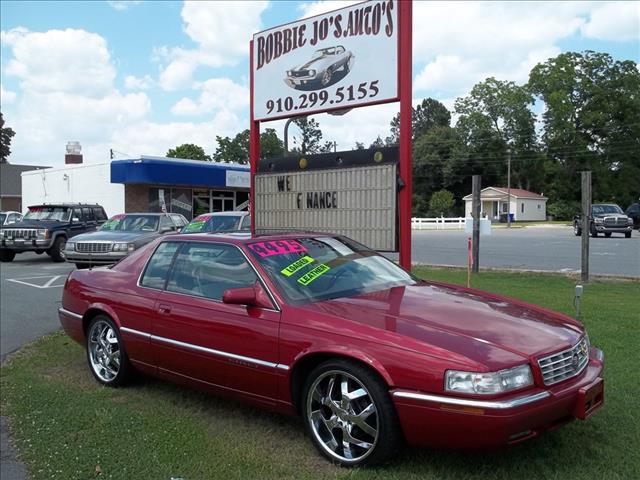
x: 575, y: 361
x: 583, y: 348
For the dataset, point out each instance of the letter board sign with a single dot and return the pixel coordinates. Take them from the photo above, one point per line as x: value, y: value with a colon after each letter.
x: 341, y: 59
x: 348, y: 193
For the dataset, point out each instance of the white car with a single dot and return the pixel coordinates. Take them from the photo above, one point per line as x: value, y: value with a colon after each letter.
x: 9, y: 217
x: 321, y: 68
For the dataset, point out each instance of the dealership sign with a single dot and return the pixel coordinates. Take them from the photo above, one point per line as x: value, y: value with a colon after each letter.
x: 338, y: 60
x: 356, y: 196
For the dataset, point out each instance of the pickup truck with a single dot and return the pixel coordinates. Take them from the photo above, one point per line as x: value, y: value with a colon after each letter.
x: 606, y: 218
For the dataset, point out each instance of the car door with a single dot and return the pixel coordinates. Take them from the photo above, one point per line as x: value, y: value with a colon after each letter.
x: 196, y: 335
x: 89, y: 220
x: 78, y: 224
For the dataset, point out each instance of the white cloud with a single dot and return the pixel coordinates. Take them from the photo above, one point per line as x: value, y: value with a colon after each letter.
x: 138, y: 83
x: 216, y: 94
x: 7, y: 97
x: 122, y: 5
x: 617, y: 21
x: 312, y: 9
x: 221, y: 31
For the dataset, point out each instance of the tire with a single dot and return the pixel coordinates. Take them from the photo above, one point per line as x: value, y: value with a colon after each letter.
x: 326, y: 77
x: 106, y: 355
x: 57, y: 249
x: 329, y: 415
x: 7, y: 255
x: 594, y: 233
x: 39, y: 252
x: 82, y: 266
x: 607, y: 234
x: 627, y: 234
x: 577, y: 231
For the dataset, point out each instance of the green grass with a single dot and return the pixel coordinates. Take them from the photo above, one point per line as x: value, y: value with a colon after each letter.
x: 66, y: 425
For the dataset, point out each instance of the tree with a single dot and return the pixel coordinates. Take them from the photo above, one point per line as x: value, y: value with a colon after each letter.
x: 441, y: 203
x: 359, y: 146
x: 309, y: 139
x: 237, y: 149
x: 377, y: 143
x: 429, y: 114
x: 189, y: 151
x: 6, y: 134
x: 591, y: 121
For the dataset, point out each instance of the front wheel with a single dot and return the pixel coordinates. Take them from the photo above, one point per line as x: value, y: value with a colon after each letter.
x: 349, y: 414
x: 57, y: 249
x: 627, y: 234
x: 607, y: 234
x: 594, y: 232
x: 326, y: 77
x: 7, y: 255
x: 107, y: 358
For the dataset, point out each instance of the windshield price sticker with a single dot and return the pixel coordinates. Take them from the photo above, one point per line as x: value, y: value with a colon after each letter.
x: 278, y: 247
x: 113, y: 221
x: 195, y: 226
x: 311, y: 275
x: 297, y: 265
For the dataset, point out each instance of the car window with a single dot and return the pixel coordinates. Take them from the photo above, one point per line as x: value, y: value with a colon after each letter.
x: 99, y: 214
x: 179, y: 220
x: 246, y: 223
x: 208, y: 269
x: 166, y: 223
x: 86, y: 215
x: 155, y: 274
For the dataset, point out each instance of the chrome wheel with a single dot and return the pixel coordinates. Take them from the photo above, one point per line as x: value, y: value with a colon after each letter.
x: 343, y: 416
x: 326, y: 77
x: 104, y: 351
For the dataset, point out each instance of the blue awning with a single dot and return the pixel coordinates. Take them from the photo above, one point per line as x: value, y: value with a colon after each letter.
x: 179, y: 172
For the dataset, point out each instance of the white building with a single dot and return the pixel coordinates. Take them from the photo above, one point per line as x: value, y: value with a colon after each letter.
x: 525, y: 206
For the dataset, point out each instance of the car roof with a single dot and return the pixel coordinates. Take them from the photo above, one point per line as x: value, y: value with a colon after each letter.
x: 229, y: 213
x: 151, y: 214
x: 244, y: 237
x: 65, y: 204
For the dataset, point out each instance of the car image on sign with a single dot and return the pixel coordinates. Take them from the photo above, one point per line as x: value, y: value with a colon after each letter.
x: 319, y: 325
x: 326, y: 67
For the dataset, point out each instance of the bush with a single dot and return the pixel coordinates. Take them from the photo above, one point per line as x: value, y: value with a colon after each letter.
x: 441, y: 203
x: 563, y: 210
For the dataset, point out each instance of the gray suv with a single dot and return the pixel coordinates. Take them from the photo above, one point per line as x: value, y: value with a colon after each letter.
x: 119, y: 236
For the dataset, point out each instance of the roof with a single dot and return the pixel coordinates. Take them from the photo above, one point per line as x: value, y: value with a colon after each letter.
x: 10, y: 180
x: 244, y: 237
x: 65, y: 204
x: 504, y: 191
x: 228, y: 213
x: 179, y: 171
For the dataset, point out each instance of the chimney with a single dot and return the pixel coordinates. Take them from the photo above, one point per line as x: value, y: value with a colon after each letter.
x: 74, y: 153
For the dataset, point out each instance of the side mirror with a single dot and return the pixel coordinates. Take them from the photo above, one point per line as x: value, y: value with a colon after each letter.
x: 250, y: 296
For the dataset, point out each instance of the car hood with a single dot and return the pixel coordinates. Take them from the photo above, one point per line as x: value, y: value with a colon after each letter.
x: 313, y: 63
x: 609, y: 215
x: 37, y: 224
x: 116, y: 236
x: 432, y: 318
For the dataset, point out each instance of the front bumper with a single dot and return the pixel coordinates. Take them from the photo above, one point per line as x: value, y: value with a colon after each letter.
x: 94, y: 258
x: 605, y: 229
x: 297, y: 81
x: 454, y: 422
x: 24, y: 245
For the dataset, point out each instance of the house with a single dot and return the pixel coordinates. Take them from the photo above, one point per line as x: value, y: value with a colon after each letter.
x: 11, y: 187
x: 525, y: 206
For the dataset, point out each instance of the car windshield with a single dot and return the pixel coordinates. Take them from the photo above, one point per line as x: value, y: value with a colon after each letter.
x: 598, y: 209
x: 60, y: 214
x: 213, y: 223
x: 131, y: 223
x: 309, y: 269
x: 2, y: 217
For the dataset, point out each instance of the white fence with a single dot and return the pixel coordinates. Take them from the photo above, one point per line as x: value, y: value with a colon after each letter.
x: 438, y: 223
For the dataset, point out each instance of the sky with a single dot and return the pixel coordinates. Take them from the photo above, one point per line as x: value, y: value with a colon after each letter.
x: 140, y: 77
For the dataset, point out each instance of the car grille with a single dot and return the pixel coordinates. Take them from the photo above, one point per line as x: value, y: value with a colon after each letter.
x: 615, y: 222
x: 300, y: 73
x: 94, y: 247
x: 565, y: 364
x: 26, y: 233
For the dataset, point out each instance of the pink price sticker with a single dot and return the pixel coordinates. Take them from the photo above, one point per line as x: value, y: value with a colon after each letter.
x: 277, y: 247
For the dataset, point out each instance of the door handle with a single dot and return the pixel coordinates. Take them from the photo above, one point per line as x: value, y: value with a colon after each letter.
x: 164, y: 309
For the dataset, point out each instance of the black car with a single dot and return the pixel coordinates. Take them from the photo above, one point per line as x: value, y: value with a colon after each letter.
x: 633, y: 212
x: 606, y: 218
x: 47, y: 227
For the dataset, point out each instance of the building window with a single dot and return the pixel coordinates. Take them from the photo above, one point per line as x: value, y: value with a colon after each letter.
x: 505, y: 207
x: 522, y: 208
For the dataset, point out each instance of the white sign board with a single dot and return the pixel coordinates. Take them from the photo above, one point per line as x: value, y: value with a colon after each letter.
x: 235, y: 178
x: 359, y: 203
x: 341, y: 59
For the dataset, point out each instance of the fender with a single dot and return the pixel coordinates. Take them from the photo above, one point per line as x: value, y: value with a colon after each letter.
x: 106, y: 309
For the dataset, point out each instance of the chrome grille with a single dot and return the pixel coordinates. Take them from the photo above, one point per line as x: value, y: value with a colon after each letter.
x: 93, y: 247
x: 615, y: 222
x: 25, y: 233
x: 565, y: 364
x: 299, y: 73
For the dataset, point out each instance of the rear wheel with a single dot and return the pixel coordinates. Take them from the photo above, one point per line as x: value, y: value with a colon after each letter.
x: 607, y: 234
x: 107, y: 358
x: 57, y: 249
x: 349, y: 415
x: 7, y: 255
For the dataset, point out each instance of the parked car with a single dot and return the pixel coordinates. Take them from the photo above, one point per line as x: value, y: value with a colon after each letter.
x: 321, y: 326
x: 633, y: 212
x: 119, y: 236
x: 47, y: 227
x: 606, y: 218
x: 320, y: 69
x: 9, y: 217
x: 219, y: 222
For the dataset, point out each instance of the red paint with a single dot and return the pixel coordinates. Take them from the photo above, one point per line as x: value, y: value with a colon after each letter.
x: 406, y: 109
x: 408, y: 335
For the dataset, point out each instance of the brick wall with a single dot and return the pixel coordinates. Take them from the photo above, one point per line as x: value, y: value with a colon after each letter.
x: 136, y: 198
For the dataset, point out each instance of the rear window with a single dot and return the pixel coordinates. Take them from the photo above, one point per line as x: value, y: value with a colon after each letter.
x: 60, y: 214
x: 213, y: 223
x: 155, y: 275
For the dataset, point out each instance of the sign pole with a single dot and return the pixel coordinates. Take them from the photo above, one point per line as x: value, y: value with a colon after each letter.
x: 406, y: 111
x: 254, y: 143
x: 585, y: 223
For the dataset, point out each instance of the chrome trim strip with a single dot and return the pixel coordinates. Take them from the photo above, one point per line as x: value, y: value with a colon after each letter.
x: 135, y: 332
x: 496, y: 404
x: 68, y: 313
x: 198, y: 348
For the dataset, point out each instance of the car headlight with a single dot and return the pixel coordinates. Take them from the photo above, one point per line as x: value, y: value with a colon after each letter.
x: 312, y: 73
x: 629, y: 221
x: 70, y: 246
x: 288, y: 73
x: 598, y: 220
x: 124, y: 247
x: 488, y: 383
x: 43, y: 233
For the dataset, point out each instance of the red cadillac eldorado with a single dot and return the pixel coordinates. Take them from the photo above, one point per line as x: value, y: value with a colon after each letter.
x: 321, y: 326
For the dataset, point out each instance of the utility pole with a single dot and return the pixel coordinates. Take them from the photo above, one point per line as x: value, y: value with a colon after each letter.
x: 475, y: 213
x: 585, y: 221
x: 286, y: 136
x: 508, y: 188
